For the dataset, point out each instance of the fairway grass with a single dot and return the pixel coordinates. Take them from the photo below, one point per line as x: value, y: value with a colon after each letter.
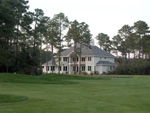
x: 77, y: 95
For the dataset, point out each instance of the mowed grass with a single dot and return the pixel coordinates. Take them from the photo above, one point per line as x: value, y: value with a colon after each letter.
x: 74, y: 94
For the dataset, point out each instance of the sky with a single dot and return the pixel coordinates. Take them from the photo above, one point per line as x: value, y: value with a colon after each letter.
x: 102, y: 16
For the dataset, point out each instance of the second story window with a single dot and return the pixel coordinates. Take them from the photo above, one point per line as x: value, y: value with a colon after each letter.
x: 83, y: 59
x: 75, y: 59
x: 89, y: 58
x: 65, y: 59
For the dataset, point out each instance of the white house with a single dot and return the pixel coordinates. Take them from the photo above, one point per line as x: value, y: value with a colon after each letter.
x: 92, y: 59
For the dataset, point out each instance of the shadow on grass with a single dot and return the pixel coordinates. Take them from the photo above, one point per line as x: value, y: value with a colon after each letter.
x: 5, y: 98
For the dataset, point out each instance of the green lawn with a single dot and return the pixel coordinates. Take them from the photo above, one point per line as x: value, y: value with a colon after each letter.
x: 73, y: 94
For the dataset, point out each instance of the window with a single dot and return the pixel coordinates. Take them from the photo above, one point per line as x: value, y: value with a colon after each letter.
x: 89, y: 68
x: 75, y: 59
x: 89, y: 58
x: 52, y: 68
x: 83, y: 58
x: 65, y: 59
x: 83, y: 68
x: 111, y: 68
x: 74, y: 68
x: 65, y: 68
x: 47, y: 68
x: 59, y: 68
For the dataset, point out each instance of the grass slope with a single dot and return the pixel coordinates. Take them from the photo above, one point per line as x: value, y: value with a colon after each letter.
x: 43, y: 79
x: 83, y: 95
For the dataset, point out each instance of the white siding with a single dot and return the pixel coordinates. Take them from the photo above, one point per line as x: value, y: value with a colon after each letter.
x: 92, y: 63
x: 89, y: 63
x: 105, y: 68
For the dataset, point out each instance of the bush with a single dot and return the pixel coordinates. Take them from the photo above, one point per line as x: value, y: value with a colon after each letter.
x: 135, y: 67
x: 84, y: 73
x: 91, y: 73
x: 96, y: 72
x: 104, y: 73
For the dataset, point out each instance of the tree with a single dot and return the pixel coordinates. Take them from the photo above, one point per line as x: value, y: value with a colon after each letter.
x: 12, y: 16
x: 116, y: 42
x: 80, y: 34
x: 125, y: 33
x: 140, y: 30
x: 104, y: 42
x: 63, y: 23
x: 51, y: 37
x: 74, y: 34
x: 38, y: 29
x: 84, y: 40
x: 19, y: 8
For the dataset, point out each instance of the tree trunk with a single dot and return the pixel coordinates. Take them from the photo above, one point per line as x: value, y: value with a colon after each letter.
x: 59, y: 50
x: 74, y: 58
x: 80, y: 60
x: 125, y: 54
x: 46, y: 61
x: 16, y: 52
x: 41, y: 58
x: 129, y: 55
x: 52, y: 58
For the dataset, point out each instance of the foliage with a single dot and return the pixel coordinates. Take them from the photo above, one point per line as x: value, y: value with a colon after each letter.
x: 84, y: 73
x: 96, y: 72
x: 44, y: 56
x: 20, y: 37
x: 104, y: 42
x: 79, y: 33
x: 134, y: 67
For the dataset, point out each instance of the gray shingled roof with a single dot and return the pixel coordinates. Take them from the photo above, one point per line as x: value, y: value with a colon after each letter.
x: 105, y: 63
x: 88, y: 51
x: 50, y: 63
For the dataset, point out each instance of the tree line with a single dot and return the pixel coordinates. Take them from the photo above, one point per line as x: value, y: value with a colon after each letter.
x: 133, y: 40
x: 133, y: 44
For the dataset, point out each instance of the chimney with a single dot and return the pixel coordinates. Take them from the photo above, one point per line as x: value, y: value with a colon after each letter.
x: 92, y: 42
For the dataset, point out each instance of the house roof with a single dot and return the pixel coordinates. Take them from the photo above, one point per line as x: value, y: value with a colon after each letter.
x: 88, y: 51
x: 105, y: 63
x: 50, y: 63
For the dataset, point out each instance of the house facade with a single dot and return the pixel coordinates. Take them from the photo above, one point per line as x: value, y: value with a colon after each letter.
x: 93, y: 59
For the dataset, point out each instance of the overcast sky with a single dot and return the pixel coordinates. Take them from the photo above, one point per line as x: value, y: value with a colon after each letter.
x: 102, y: 16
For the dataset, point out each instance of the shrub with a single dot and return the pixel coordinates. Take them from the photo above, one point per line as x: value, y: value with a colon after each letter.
x: 96, y: 72
x: 104, y: 73
x: 91, y: 73
x: 84, y: 73
x: 134, y: 67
